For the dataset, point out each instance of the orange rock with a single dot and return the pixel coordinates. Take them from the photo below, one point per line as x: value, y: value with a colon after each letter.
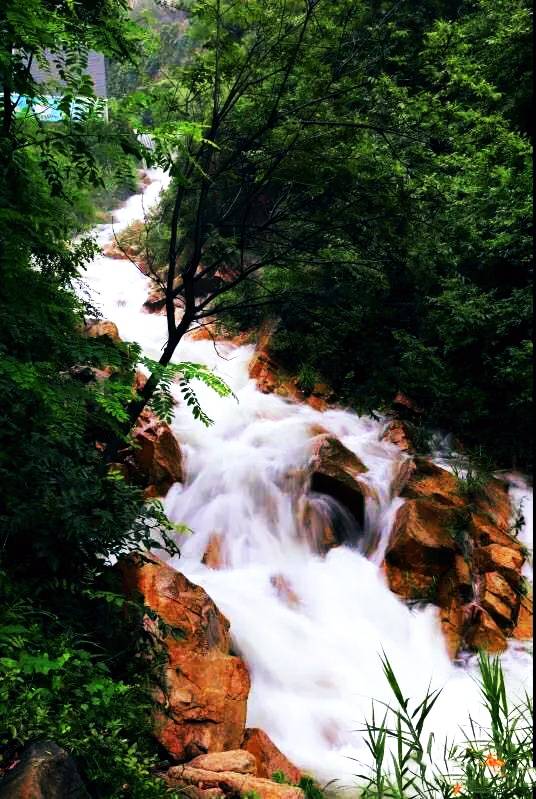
x: 505, y: 560
x: 486, y: 634
x: 238, y: 761
x: 115, y: 251
x: 397, y: 433
x: 285, y: 591
x: 421, y: 539
x: 495, y: 503
x: 495, y: 584
x: 155, y: 302
x: 434, y: 484
x: 405, y: 406
x: 477, y: 575
x: 452, y: 619
x: 335, y: 471
x: 205, y: 687
x: 485, y: 532
x: 269, y: 759
x: 463, y: 571
x: 499, y: 610
x: 405, y: 471
x: 524, y: 629
x: 102, y: 328
x: 410, y: 584
x: 317, y: 403
x: 214, y: 556
x: 264, y: 371
x: 157, y: 456
x: 203, y: 333
x: 230, y: 783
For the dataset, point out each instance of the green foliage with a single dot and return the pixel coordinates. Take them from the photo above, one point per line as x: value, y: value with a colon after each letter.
x: 472, y: 473
x: 307, y: 378
x: 184, y: 372
x: 70, y: 668
x: 55, y: 686
x: 490, y: 762
x: 412, y: 271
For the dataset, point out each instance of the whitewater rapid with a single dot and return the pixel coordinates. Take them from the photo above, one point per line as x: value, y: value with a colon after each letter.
x: 315, y: 660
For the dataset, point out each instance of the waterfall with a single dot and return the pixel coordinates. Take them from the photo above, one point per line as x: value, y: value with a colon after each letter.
x: 311, y: 628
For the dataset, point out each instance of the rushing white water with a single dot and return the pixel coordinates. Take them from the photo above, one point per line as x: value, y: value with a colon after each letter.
x: 310, y: 628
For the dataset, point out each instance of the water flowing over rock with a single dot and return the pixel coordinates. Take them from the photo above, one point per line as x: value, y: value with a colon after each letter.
x: 45, y: 771
x: 310, y: 614
x: 335, y: 471
x: 204, y: 688
x: 269, y: 759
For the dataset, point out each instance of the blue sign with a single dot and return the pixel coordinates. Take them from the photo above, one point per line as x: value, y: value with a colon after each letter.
x: 46, y: 107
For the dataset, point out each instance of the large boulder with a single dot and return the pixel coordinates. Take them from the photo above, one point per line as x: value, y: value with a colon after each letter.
x: 434, y: 484
x: 204, y: 689
x: 156, y: 458
x: 421, y: 539
x: 45, y: 771
x: 229, y: 783
x: 269, y: 759
x: 336, y: 471
x: 456, y: 549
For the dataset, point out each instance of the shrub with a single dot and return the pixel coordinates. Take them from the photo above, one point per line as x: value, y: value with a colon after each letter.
x: 494, y: 762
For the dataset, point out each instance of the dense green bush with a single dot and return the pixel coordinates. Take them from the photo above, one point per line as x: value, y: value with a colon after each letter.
x: 55, y: 685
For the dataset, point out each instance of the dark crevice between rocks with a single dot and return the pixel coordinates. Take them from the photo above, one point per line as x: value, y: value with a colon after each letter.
x: 348, y: 497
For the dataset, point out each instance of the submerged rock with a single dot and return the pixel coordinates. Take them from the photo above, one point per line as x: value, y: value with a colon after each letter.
x: 204, y: 689
x: 45, y: 771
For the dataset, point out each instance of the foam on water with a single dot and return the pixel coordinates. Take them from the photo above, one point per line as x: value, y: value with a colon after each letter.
x: 314, y: 662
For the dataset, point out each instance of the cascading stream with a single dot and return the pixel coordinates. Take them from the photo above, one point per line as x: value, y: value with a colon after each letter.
x: 310, y: 628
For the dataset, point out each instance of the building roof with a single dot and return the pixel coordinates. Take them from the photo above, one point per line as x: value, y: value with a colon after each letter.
x: 96, y: 68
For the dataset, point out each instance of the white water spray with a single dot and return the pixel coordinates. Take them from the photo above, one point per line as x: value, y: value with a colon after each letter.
x: 310, y: 629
